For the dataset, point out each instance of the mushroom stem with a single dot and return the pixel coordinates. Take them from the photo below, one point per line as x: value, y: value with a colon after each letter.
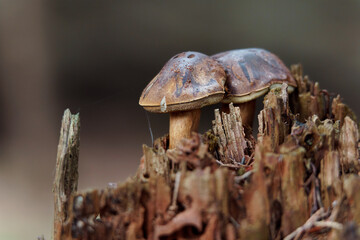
x: 182, y: 124
x: 247, y: 110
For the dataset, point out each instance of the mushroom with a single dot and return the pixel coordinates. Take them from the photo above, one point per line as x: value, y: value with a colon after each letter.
x: 250, y: 74
x: 187, y: 82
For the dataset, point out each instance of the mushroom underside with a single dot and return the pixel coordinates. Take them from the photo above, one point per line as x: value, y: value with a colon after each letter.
x: 165, y: 107
x: 241, y: 98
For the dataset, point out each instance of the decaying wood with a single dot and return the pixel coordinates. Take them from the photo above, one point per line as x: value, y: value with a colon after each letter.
x: 256, y: 204
x: 298, y: 180
x: 330, y: 178
x: 232, y: 143
x: 341, y: 110
x: 348, y: 146
x: 310, y: 100
x: 274, y: 119
x: 66, y: 172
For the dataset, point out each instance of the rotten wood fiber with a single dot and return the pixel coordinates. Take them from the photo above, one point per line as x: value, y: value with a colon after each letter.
x: 232, y: 143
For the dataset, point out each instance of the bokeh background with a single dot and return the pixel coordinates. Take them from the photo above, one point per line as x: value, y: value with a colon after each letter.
x: 95, y: 57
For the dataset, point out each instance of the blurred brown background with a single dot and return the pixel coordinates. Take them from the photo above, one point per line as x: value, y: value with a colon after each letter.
x: 96, y: 57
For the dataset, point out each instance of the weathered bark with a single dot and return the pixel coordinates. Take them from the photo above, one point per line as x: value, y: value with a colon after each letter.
x: 298, y: 180
x: 66, y: 172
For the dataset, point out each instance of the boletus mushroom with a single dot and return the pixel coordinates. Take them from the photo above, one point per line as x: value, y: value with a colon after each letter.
x: 250, y: 74
x: 187, y: 82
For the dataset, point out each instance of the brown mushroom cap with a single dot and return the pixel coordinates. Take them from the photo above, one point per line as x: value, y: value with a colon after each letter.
x: 251, y: 72
x: 189, y: 80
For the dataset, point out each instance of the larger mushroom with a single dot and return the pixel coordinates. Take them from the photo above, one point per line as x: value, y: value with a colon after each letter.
x: 250, y: 74
x: 187, y: 82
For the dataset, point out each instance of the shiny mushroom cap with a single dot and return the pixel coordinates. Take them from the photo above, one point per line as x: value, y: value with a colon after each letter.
x: 251, y: 73
x: 189, y: 80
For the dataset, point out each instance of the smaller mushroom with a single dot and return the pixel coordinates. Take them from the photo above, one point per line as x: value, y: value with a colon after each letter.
x: 187, y: 82
x: 250, y: 74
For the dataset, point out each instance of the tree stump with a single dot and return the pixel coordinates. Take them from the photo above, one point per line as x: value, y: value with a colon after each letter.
x: 298, y: 180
